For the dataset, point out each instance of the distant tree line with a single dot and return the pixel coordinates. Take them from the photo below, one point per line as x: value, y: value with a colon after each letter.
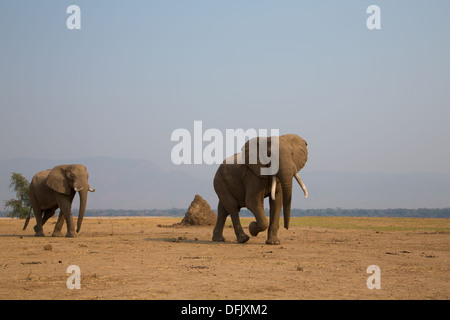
x: 337, y: 212
x: 174, y: 212
x: 20, y: 207
x: 330, y: 212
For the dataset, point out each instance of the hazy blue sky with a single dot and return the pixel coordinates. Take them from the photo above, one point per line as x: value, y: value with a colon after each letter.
x: 365, y: 100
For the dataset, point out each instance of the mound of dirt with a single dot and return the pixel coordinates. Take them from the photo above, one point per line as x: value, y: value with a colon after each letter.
x: 198, y: 214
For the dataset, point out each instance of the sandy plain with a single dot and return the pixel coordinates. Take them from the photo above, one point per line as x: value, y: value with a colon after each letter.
x: 318, y: 258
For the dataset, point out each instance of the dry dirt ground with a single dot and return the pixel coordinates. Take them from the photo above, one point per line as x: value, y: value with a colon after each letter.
x: 319, y: 258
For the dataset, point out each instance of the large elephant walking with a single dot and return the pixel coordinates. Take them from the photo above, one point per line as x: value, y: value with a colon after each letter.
x: 56, y: 188
x: 243, y: 185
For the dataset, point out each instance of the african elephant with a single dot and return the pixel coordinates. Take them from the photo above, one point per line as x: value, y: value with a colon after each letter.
x: 56, y: 188
x: 241, y: 184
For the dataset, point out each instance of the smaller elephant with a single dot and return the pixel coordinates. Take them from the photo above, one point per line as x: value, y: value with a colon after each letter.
x: 56, y: 188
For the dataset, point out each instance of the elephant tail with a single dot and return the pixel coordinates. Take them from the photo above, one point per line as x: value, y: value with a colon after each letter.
x: 27, y: 220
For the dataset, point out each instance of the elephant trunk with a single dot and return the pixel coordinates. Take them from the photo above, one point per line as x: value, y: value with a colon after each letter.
x: 286, y: 186
x: 83, y: 200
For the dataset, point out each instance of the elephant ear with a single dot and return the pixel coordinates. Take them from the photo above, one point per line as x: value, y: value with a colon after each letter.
x: 58, y: 181
x: 299, y: 151
x: 258, y: 156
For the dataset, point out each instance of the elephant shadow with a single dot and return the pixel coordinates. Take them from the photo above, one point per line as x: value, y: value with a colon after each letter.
x: 195, y: 241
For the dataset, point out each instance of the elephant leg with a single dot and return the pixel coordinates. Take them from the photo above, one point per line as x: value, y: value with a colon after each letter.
x: 47, y: 215
x: 59, y: 224
x: 275, y: 212
x: 256, y: 206
x: 220, y: 223
x: 65, y: 207
x: 242, y: 237
x: 221, y: 218
x: 39, y: 231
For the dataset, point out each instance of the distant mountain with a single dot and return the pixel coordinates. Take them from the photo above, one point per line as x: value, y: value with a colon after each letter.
x: 132, y: 184
x: 120, y: 183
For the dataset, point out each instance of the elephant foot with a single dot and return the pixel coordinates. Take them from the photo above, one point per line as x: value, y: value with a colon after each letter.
x: 243, y: 238
x: 273, y: 241
x: 57, y: 234
x: 71, y: 235
x: 218, y: 238
x: 38, y: 233
x: 253, y: 229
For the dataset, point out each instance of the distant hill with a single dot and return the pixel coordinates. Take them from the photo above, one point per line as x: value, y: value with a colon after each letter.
x: 120, y: 183
x: 132, y: 184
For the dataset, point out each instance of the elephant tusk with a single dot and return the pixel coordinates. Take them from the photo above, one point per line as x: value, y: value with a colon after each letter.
x: 91, y: 190
x: 274, y: 186
x: 302, y: 185
x: 77, y: 189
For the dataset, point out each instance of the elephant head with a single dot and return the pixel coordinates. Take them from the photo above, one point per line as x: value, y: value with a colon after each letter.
x: 288, y: 155
x: 66, y: 179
